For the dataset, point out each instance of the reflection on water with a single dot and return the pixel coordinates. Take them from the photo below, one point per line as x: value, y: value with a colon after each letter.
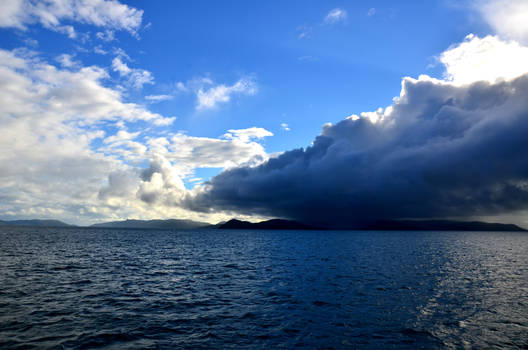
x: 476, y: 297
x: 84, y: 288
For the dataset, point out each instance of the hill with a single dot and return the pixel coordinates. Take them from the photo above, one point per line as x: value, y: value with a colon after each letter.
x: 170, y: 224
x: 440, y: 225
x: 274, y: 224
x: 382, y: 225
x: 35, y: 222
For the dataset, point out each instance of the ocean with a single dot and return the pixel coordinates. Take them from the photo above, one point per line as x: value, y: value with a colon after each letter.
x: 71, y: 288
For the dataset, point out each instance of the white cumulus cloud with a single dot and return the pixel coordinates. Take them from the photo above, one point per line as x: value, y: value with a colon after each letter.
x: 234, y: 148
x: 52, y: 13
x: 245, y: 135
x: 67, y: 60
x: 210, y: 97
x: 484, y: 59
x: 50, y: 119
x: 509, y: 18
x: 173, y: 159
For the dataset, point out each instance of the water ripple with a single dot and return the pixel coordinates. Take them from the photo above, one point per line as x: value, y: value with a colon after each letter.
x: 114, y: 289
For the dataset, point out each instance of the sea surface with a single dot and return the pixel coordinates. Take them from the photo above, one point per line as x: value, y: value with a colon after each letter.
x: 203, y: 289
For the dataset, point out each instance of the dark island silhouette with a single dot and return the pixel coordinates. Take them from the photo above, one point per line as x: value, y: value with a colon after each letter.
x: 279, y: 224
x: 273, y: 224
x: 386, y: 225
x: 438, y: 225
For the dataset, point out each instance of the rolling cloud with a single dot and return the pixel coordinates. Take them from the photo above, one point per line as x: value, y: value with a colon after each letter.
x: 445, y: 148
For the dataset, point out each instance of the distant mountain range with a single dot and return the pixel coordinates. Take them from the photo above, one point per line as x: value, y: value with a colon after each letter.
x: 407, y: 225
x: 274, y: 224
x: 279, y: 224
x: 171, y: 224
x: 439, y: 225
x: 35, y: 222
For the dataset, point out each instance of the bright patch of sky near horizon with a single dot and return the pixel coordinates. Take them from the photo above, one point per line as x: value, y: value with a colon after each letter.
x: 185, y: 89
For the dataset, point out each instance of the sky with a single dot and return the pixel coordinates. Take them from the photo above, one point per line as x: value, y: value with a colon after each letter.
x: 323, y: 112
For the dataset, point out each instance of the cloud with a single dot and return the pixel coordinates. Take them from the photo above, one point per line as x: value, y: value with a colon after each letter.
x: 371, y: 12
x: 119, y: 52
x: 34, y: 88
x: 173, y: 159
x: 208, y: 98
x: 159, y: 98
x: 136, y: 77
x: 120, y: 184
x: 51, y: 13
x: 99, y: 50
x: 305, y: 32
x: 336, y: 15
x: 119, y: 66
x: 508, y: 18
x: 161, y: 181
x: 285, y: 127
x: 486, y: 59
x: 51, y: 118
x: 120, y: 137
x: 245, y: 135
x: 67, y: 61
x: 441, y: 150
x: 33, y: 43
x: 181, y: 87
x: 67, y: 30
x: 72, y: 147
x: 107, y: 35
x: 235, y: 148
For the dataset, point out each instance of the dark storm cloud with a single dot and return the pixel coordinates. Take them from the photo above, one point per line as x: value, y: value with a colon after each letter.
x: 443, y: 151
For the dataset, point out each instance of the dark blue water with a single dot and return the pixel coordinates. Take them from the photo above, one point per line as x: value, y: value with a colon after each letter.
x: 84, y: 288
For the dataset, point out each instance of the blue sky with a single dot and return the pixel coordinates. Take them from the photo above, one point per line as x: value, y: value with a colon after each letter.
x: 349, y: 66
x: 186, y: 90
